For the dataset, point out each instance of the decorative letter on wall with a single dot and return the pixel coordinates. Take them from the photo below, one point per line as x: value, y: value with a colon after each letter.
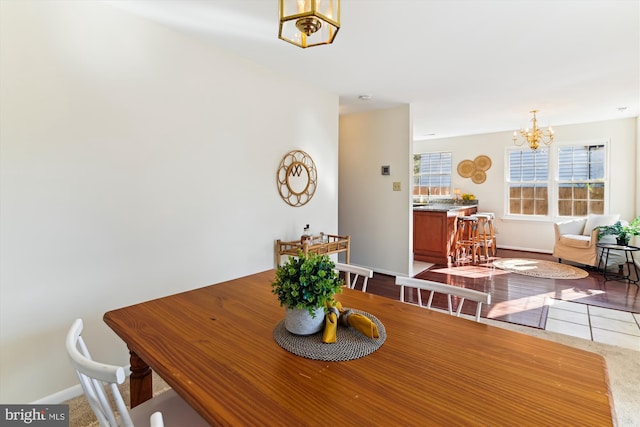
x: 297, y: 178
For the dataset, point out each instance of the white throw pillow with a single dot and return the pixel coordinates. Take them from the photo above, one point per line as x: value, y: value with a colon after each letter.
x: 594, y: 221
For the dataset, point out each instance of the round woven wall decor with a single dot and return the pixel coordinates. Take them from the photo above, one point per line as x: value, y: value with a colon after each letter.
x: 482, y: 162
x: 478, y: 177
x: 466, y: 168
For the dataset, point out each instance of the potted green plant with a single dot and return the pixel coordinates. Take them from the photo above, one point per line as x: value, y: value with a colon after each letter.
x: 623, y: 233
x: 304, y: 285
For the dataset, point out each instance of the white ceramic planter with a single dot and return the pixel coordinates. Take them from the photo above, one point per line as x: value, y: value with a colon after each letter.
x: 299, y: 321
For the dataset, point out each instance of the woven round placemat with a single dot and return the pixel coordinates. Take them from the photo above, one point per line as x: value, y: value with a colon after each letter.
x: 350, y: 344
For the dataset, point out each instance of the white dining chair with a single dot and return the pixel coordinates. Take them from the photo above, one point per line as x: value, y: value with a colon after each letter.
x: 95, y: 376
x: 156, y: 420
x: 357, y: 272
x: 435, y: 287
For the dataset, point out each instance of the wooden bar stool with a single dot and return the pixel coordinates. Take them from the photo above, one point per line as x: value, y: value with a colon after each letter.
x: 486, y: 233
x: 467, y: 239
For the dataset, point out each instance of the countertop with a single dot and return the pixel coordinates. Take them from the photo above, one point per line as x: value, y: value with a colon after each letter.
x: 442, y: 207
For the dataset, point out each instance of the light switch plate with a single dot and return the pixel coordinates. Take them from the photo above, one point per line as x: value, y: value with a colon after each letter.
x: 396, y: 186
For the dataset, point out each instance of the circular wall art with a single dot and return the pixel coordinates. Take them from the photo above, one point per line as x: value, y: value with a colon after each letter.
x: 297, y: 178
x: 482, y: 162
x: 475, y: 169
x: 466, y: 168
x: 479, y: 177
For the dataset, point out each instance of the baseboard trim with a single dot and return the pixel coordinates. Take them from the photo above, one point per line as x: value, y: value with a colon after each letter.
x: 60, y: 396
x: 517, y: 248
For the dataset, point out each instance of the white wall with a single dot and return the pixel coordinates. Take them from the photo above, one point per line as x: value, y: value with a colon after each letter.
x: 377, y: 218
x: 136, y: 162
x: 637, y: 190
x: 635, y: 240
x: 621, y: 135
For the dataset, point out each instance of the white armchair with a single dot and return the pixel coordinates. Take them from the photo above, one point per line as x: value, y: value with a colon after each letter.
x: 576, y: 239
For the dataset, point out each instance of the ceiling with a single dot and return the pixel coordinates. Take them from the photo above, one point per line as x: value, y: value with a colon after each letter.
x: 465, y: 66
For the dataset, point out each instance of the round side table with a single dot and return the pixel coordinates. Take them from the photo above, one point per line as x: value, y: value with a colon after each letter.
x: 630, y: 261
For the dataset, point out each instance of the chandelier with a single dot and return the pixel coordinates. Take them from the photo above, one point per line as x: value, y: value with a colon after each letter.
x: 307, y: 23
x: 534, y: 136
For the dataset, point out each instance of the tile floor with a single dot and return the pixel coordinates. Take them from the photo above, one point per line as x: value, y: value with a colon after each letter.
x: 418, y: 267
x: 594, y: 323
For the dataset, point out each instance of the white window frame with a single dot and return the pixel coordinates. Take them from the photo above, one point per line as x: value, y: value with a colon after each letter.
x: 554, y: 181
x: 549, y: 181
x: 556, y: 176
x: 419, y: 198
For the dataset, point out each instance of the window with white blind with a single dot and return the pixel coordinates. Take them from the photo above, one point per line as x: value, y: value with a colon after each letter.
x: 581, y: 180
x: 431, y: 175
x: 528, y: 182
x: 577, y: 189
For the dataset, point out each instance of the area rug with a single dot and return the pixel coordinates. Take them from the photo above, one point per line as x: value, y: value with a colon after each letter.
x: 540, y: 268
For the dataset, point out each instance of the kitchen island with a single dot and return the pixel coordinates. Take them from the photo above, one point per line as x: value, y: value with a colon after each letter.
x: 434, y: 230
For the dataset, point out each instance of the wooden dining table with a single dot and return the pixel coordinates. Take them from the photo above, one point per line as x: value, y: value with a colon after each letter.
x: 215, y: 347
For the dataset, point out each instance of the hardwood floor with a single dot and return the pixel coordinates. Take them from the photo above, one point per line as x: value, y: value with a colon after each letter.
x: 522, y: 299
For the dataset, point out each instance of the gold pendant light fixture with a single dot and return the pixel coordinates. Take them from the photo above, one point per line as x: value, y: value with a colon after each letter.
x: 535, y: 136
x: 307, y: 23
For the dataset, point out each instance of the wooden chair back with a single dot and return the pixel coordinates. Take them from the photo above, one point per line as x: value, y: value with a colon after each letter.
x: 486, y: 233
x: 467, y: 243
